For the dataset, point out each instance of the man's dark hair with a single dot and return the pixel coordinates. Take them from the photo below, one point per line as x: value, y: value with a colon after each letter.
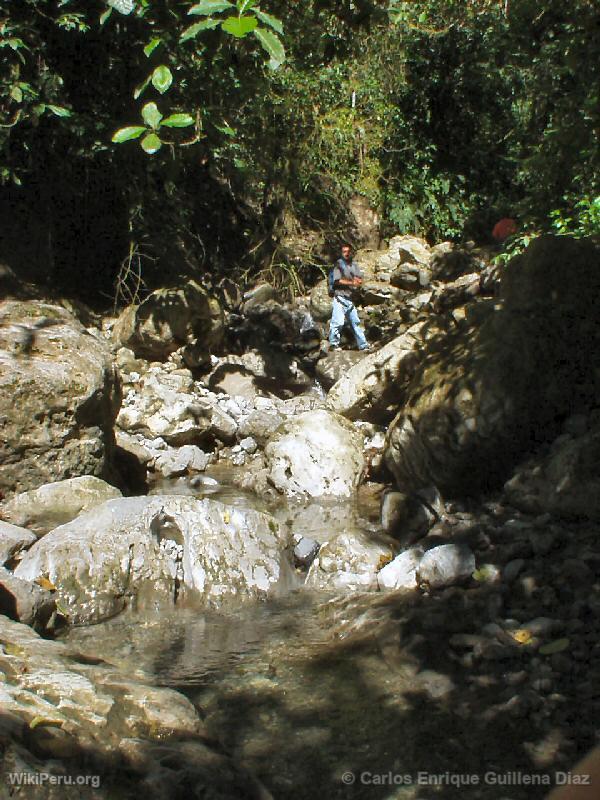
x: 346, y: 244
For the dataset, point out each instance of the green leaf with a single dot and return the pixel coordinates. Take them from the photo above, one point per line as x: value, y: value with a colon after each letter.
x: 162, y: 78
x: 17, y: 94
x: 139, y: 90
x: 178, y: 121
x: 59, y: 111
x: 269, y: 20
x: 226, y: 129
x: 125, y: 134
x: 193, y: 30
x: 245, y: 5
x: 104, y: 16
x: 207, y: 7
x: 151, y: 115
x: 151, y: 46
x: 151, y: 143
x: 272, y: 44
x: 239, y: 26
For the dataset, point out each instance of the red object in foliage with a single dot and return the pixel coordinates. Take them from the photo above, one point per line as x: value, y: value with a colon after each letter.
x: 504, y: 228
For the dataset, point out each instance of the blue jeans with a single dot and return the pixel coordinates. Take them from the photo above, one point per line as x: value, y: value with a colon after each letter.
x: 343, y: 309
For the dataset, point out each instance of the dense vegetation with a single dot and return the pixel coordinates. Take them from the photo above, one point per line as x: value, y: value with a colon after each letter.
x: 445, y: 114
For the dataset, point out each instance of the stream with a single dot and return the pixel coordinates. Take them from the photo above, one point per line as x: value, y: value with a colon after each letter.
x: 322, y: 695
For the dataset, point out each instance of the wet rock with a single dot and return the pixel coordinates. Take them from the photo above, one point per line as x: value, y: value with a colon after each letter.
x: 112, y: 556
x: 401, y: 573
x: 169, y: 319
x: 53, y: 504
x: 25, y: 602
x: 405, y: 516
x: 305, y: 551
x: 13, y: 540
x: 445, y: 565
x: 349, y: 561
x: 58, y: 412
x: 57, y: 707
x: 314, y: 454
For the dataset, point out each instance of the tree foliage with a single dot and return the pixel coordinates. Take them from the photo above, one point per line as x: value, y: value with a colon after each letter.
x: 186, y: 133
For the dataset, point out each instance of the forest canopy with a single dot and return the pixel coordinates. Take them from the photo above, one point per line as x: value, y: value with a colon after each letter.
x: 187, y: 135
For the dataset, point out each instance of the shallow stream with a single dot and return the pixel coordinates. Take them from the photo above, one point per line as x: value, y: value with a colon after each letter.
x: 322, y: 696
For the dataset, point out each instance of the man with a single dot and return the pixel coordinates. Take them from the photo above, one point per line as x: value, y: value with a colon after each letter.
x: 346, y: 277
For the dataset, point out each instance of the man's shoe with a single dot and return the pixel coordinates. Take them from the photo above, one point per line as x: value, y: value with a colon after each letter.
x: 368, y: 349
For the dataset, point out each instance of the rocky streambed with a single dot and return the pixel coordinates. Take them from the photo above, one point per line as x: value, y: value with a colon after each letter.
x: 331, y: 574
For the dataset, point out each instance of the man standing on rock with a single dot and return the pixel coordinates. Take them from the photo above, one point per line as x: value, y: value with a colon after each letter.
x: 346, y: 276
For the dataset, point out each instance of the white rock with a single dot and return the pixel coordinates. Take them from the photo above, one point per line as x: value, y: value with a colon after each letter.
x: 445, y: 565
x: 401, y: 573
x: 53, y: 504
x: 315, y: 453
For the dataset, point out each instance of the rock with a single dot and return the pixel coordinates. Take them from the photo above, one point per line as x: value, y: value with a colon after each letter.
x: 169, y: 319
x: 512, y: 569
x: 566, y: 482
x: 25, y: 602
x: 59, y: 395
x: 111, y: 556
x: 13, y: 540
x: 169, y: 406
x: 181, y: 461
x: 305, y: 551
x: 260, y: 294
x: 405, y: 517
x: 405, y: 249
x: 486, y: 390
x: 53, y: 504
x: 59, y: 705
x: 349, y: 561
x: 410, y: 276
x: 314, y: 454
x: 248, y: 445
x: 253, y: 374
x: 401, y: 573
x: 335, y: 365
x: 260, y: 425
x: 372, y: 389
x: 445, y: 565
x: 321, y: 304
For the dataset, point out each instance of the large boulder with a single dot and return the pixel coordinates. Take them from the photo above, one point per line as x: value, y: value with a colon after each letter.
x: 502, y: 381
x: 314, y: 454
x: 169, y: 319
x: 53, y: 504
x: 153, y: 549
x: 373, y: 388
x: 59, y: 396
